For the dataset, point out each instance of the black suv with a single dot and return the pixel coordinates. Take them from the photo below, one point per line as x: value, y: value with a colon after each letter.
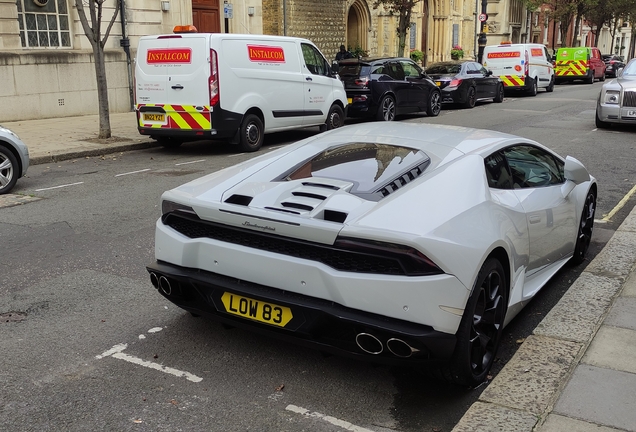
x: 386, y: 87
x: 612, y: 64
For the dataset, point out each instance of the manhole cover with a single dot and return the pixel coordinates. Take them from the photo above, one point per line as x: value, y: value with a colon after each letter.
x: 12, y: 316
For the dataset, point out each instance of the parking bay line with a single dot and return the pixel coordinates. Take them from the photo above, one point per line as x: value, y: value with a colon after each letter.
x: 334, y: 421
x: 132, y: 172
x: 60, y: 186
x: 117, y: 352
x: 191, y: 162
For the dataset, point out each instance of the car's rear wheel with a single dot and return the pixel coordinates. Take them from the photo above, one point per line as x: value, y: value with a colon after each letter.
x: 471, y: 98
x: 602, y: 77
x: 251, y: 134
x: 585, y: 229
x: 386, y: 110
x: 335, y: 118
x: 479, y: 333
x: 434, y: 105
x: 600, y: 123
x: 8, y: 170
x: 500, y: 94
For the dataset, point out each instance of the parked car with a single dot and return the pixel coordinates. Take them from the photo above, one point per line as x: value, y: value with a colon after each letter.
x: 386, y: 87
x: 579, y: 63
x: 465, y: 82
x: 397, y: 243
x: 612, y: 64
x: 14, y: 159
x: 617, y: 100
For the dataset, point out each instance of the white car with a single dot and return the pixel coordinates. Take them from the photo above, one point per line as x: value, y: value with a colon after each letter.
x: 14, y: 159
x: 617, y: 100
x: 398, y: 243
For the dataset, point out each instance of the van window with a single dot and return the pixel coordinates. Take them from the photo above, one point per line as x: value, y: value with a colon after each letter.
x: 314, y: 60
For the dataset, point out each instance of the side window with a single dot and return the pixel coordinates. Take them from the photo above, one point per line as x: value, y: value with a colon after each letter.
x: 472, y: 69
x: 394, y: 69
x: 315, y: 62
x: 497, y: 172
x: 410, y: 69
x: 533, y: 167
x: 482, y: 69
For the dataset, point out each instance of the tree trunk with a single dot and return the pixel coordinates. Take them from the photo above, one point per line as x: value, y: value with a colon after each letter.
x: 404, y: 20
x: 102, y: 92
x: 577, y: 29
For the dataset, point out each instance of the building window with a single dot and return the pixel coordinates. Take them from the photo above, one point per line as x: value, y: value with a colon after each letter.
x: 44, y: 23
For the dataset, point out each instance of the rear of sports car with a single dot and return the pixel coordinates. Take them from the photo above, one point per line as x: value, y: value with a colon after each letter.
x: 323, y: 246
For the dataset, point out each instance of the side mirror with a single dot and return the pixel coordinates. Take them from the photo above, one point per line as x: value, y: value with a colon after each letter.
x: 488, y: 73
x: 575, y: 171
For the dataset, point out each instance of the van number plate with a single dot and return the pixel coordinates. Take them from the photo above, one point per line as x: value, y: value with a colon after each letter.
x: 154, y: 117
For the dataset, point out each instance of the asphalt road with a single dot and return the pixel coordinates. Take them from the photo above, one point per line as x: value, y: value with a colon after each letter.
x: 87, y: 344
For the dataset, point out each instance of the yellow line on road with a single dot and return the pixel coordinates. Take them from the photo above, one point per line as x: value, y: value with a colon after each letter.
x: 620, y: 205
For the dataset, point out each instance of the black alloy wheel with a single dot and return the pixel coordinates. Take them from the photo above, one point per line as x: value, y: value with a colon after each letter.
x: 434, y: 103
x: 471, y: 98
x: 500, y: 94
x: 586, y: 227
x: 386, y: 110
x: 481, y: 327
x: 335, y: 118
x: 251, y: 134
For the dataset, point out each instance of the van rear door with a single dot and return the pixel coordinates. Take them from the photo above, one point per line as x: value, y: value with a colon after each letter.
x: 506, y: 62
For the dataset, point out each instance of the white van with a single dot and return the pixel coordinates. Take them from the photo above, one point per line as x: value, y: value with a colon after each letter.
x: 525, y: 67
x: 192, y: 86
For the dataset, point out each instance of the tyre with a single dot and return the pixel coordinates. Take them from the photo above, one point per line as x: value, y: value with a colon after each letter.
x: 500, y: 94
x: 601, y: 124
x: 169, y: 142
x: 9, y: 170
x: 550, y: 87
x: 590, y: 79
x: 532, y: 91
x: 479, y: 333
x: 471, y: 98
x: 335, y: 118
x: 585, y: 229
x: 434, y: 105
x: 386, y: 110
x: 602, y: 78
x: 252, y: 133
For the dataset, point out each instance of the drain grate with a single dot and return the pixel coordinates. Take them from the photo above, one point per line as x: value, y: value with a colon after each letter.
x: 12, y: 317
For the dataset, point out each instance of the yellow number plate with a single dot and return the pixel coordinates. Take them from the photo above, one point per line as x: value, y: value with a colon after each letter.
x: 154, y: 117
x: 439, y: 83
x: 350, y: 100
x: 256, y: 310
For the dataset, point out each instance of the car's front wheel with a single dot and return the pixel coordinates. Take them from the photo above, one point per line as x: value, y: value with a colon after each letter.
x: 8, y: 170
x: 479, y: 333
x: 585, y: 229
x: 251, y: 134
x: 434, y: 104
x: 386, y: 110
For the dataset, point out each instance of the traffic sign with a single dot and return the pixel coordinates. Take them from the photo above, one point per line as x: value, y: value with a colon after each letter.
x: 483, y: 17
x: 228, y: 10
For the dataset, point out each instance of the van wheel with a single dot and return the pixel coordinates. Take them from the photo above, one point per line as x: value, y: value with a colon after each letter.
x: 532, y: 91
x: 471, y: 98
x: 335, y: 118
x: 550, y: 88
x: 500, y: 94
x: 590, y: 79
x: 386, y: 110
x: 252, y: 133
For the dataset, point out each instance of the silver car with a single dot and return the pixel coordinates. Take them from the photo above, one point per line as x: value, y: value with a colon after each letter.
x: 14, y: 159
x: 617, y: 100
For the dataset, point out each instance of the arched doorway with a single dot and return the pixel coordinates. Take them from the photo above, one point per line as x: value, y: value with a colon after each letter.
x: 358, y: 26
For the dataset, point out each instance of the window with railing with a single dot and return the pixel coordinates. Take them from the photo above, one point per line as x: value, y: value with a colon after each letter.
x: 44, y: 23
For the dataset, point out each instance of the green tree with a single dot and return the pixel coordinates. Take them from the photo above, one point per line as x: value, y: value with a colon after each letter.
x: 403, y: 10
x: 93, y: 32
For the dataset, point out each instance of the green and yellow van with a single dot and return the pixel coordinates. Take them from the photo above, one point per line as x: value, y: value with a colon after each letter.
x: 579, y: 63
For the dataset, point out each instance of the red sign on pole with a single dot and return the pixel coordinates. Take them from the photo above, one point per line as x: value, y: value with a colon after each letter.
x: 483, y: 17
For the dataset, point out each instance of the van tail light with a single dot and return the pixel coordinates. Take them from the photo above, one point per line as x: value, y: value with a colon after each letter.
x: 214, y: 79
x: 455, y: 82
x: 526, y: 66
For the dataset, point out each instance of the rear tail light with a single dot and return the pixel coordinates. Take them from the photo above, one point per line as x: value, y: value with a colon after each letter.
x: 214, y: 79
x: 360, y: 98
x: 412, y: 261
x: 455, y: 83
x: 361, y: 82
x: 526, y: 66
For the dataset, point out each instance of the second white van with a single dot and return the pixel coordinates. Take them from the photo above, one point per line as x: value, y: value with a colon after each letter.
x: 193, y: 86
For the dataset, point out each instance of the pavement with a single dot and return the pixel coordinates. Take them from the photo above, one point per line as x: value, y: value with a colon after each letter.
x: 575, y: 372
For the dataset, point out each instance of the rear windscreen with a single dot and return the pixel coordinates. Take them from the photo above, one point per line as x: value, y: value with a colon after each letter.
x: 449, y: 68
x: 354, y: 70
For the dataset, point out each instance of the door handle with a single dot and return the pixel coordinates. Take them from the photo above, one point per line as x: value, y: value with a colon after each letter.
x: 308, y: 79
x: 177, y: 87
x: 535, y: 219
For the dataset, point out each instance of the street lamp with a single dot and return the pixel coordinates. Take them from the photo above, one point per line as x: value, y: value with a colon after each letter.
x: 481, y: 41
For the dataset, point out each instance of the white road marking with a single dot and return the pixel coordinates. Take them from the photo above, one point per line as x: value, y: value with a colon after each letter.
x: 334, y: 421
x: 142, y: 336
x: 620, y: 204
x: 157, y: 366
x: 117, y: 352
x: 155, y: 329
x: 133, y: 172
x: 191, y: 162
x: 236, y: 154
x: 60, y: 186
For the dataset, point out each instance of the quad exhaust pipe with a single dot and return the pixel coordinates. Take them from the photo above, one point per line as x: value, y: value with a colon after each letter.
x: 163, y: 284
x: 372, y: 345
